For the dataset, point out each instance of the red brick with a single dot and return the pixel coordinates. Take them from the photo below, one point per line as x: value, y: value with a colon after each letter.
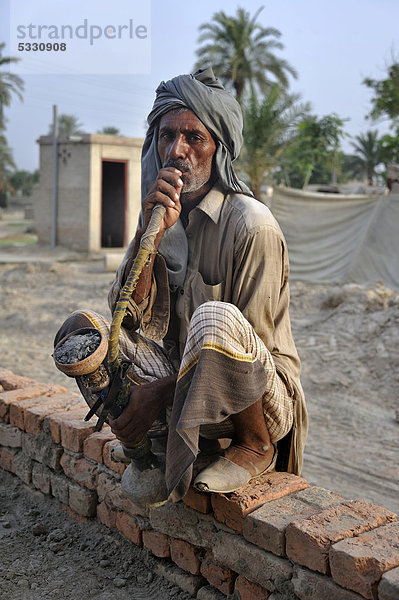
x: 231, y: 509
x: 42, y: 449
x: 358, y: 563
x: 106, y: 486
x: 7, y: 459
x: 106, y: 515
x: 35, y: 415
x: 82, y: 500
x: 266, y: 526
x: 128, y: 528
x: 74, y: 432
x: 389, y: 585
x: 114, y: 466
x: 73, y: 514
x: 23, y: 467
x: 10, y: 436
x: 28, y: 414
x: 157, y: 543
x: 110, y: 490
x: 270, y: 571
x: 17, y: 410
x: 41, y: 477
x: 187, y: 582
x: 178, y: 520
x: 309, y: 585
x: 248, y: 590
x: 56, y: 419
x: 93, y: 445
x: 80, y: 470
x: 308, y: 541
x: 60, y: 487
x: 219, y: 576
x: 185, y: 556
x: 198, y: 501
x: 12, y: 396
x: 10, y: 381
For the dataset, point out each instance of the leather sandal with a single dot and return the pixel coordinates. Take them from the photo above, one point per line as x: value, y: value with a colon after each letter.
x: 224, y: 476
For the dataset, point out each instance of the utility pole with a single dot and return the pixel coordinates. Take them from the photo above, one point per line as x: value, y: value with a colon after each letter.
x: 55, y: 178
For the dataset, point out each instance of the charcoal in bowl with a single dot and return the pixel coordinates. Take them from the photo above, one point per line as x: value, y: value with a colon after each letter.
x: 77, y: 348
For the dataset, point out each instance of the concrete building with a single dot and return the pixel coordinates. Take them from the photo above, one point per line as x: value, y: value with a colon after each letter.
x: 98, y: 199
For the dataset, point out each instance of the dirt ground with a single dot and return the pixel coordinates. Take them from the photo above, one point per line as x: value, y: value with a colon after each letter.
x: 347, y: 337
x: 46, y: 556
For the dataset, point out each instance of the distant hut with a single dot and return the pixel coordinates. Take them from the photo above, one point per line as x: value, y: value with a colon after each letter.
x: 98, y: 191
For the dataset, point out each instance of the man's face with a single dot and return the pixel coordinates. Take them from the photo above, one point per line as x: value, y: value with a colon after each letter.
x: 185, y: 143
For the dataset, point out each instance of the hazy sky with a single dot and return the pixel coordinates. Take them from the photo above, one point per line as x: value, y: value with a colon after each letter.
x: 333, y: 44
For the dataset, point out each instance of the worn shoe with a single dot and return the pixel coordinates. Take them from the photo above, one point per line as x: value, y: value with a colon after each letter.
x: 224, y: 476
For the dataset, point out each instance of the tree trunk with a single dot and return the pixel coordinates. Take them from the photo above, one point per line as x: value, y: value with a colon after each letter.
x: 308, y: 176
x: 256, y: 187
x: 370, y: 174
x: 239, y: 90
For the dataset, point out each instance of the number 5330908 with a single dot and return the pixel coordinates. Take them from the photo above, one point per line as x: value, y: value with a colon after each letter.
x: 41, y: 47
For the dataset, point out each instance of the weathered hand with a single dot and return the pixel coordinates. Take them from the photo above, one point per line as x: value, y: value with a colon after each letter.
x: 138, y: 416
x: 166, y: 190
x: 144, y: 406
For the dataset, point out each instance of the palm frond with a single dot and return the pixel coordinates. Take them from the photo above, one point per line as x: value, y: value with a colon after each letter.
x: 241, y: 49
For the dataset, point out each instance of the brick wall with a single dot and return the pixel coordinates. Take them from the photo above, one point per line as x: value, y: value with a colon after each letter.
x: 276, y: 539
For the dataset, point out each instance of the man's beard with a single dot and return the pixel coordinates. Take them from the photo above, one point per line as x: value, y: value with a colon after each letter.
x: 194, y: 183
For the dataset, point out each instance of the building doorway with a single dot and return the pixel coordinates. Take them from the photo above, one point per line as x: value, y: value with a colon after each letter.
x: 113, y: 203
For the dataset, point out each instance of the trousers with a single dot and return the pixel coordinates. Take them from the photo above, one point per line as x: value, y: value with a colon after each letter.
x: 225, y: 367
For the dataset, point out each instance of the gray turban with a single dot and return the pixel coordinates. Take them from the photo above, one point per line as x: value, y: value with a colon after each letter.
x: 204, y: 95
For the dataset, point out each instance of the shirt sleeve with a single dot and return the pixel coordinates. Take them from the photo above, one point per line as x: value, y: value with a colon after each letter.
x: 152, y: 314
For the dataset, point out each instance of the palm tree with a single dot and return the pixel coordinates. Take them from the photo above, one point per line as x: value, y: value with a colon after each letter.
x: 241, y: 51
x: 67, y: 125
x: 269, y: 126
x: 22, y: 182
x: 368, y: 150
x: 9, y: 84
x: 352, y: 167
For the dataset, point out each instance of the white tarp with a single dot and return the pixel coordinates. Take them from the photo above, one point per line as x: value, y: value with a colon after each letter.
x: 332, y: 237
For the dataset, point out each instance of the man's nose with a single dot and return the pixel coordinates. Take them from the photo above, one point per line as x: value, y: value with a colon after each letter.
x: 178, y: 147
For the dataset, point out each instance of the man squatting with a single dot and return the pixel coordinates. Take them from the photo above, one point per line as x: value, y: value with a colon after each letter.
x: 216, y: 293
